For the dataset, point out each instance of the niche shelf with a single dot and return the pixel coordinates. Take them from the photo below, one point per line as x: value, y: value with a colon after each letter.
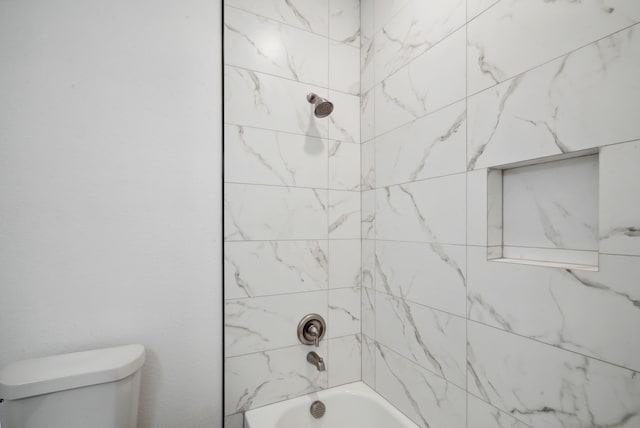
x: 545, y: 212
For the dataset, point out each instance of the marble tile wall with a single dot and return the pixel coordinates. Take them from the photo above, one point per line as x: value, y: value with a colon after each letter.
x: 449, y: 90
x: 292, y: 197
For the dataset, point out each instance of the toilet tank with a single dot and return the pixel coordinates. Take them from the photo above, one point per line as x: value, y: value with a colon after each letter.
x: 91, y: 389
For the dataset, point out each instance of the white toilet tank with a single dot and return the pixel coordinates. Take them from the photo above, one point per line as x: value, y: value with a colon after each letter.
x: 92, y: 389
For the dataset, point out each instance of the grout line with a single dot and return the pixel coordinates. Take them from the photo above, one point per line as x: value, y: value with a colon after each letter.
x: 288, y: 24
x: 555, y: 346
x: 396, y: 71
x: 288, y: 293
x: 466, y: 201
x: 415, y: 119
x: 522, y: 73
x: 295, y: 345
x: 327, y: 88
x: 496, y: 407
x: 239, y: 125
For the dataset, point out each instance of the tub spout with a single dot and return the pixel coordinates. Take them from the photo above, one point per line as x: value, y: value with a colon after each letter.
x: 316, y: 360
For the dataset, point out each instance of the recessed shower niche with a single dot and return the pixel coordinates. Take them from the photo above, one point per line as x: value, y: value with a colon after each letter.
x: 545, y: 212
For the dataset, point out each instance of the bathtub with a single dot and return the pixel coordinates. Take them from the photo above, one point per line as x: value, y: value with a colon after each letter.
x: 354, y: 405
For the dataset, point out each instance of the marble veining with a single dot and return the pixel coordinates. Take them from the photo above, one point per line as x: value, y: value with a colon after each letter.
x: 269, y: 102
x: 259, y: 44
x: 261, y: 378
x: 344, y: 21
x: 427, y: 399
x: 262, y: 323
x: 619, y: 213
x: 483, y: 415
x: 432, y: 81
x: 432, y: 146
x: 344, y: 359
x: 430, y: 274
x: 584, y: 100
x: 270, y: 267
x: 516, y: 35
x: 264, y: 212
x: 552, y: 204
x: 513, y: 297
x: 342, y: 158
x: 258, y: 156
x: 414, y: 30
x: 547, y: 387
x: 344, y: 312
x: 311, y: 16
x: 426, y: 211
x: 435, y: 340
x: 344, y: 215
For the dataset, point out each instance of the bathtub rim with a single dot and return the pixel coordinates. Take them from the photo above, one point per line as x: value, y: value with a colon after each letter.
x: 266, y: 416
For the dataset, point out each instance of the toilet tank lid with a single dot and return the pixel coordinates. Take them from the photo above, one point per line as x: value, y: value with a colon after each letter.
x: 38, y: 376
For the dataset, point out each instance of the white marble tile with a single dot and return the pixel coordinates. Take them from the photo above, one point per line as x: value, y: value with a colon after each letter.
x: 476, y: 7
x: 516, y: 35
x: 344, y: 122
x: 426, y: 211
x: 367, y: 12
x: 263, y: 268
x: 425, y: 398
x: 477, y: 207
x: 344, y: 362
x: 594, y: 313
x: 270, y: 47
x: 431, y: 146
x: 344, y: 165
x: 368, y: 263
x: 430, y: 274
x: 368, y: 312
x: 344, y: 215
x: 484, y: 208
x: 367, y: 115
x: 344, y: 68
x: 267, y: 212
x: 548, y: 387
x: 435, y: 340
x: 387, y: 9
x: 552, y: 204
x: 367, y: 166
x: 344, y: 263
x: 417, y: 28
x: 432, y: 81
x: 309, y: 15
x: 344, y: 21
x: 619, y: 203
x: 368, y: 224
x: 234, y: 421
x: 262, y: 323
x: 344, y: 312
x: 368, y: 361
x: 483, y: 415
x: 269, y: 102
x: 586, y: 99
x: 258, y: 156
x: 262, y: 378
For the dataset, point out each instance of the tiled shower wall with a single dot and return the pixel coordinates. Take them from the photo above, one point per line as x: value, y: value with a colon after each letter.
x: 292, y: 197
x: 449, y: 89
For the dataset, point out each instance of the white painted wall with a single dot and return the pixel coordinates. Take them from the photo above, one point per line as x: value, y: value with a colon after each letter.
x: 110, y: 154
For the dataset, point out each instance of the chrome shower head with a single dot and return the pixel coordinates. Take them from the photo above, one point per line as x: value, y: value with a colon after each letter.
x: 321, y: 106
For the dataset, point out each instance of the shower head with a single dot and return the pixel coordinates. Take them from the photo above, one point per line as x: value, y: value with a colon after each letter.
x: 321, y: 106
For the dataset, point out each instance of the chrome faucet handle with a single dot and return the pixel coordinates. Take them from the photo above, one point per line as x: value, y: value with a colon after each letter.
x: 311, y: 330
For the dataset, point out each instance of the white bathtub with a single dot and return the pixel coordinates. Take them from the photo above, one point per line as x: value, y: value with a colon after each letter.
x: 354, y: 405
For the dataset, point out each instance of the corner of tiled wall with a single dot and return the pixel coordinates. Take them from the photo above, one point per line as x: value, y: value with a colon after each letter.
x: 450, y: 89
x: 292, y: 198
